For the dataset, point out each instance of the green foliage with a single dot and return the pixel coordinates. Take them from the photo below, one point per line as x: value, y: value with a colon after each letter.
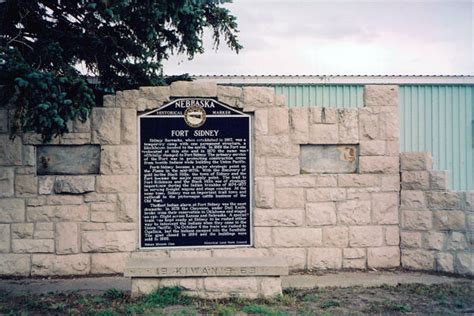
x: 262, y: 310
x: 114, y: 294
x: 121, y: 42
x: 329, y: 304
x: 166, y: 296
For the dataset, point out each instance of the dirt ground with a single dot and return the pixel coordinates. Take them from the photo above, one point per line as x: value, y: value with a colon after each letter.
x: 454, y: 298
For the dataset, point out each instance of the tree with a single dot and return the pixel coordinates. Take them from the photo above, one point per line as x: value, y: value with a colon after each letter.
x: 43, y: 43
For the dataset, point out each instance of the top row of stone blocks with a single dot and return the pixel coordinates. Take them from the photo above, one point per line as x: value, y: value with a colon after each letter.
x: 147, y: 98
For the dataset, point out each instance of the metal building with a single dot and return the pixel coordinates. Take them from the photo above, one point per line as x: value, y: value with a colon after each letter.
x: 436, y: 112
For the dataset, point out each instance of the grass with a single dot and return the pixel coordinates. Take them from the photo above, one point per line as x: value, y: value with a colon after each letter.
x: 444, y: 299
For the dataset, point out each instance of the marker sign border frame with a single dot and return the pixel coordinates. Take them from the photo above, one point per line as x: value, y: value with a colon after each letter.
x: 149, y: 114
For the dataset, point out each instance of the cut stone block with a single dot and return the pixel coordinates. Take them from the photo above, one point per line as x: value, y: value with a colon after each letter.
x: 205, y: 267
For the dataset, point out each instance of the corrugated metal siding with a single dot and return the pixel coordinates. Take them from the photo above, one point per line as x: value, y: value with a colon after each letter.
x: 439, y: 119
x: 435, y: 118
x: 344, y: 96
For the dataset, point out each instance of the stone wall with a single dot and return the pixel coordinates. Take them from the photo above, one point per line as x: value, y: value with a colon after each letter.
x: 437, y: 227
x: 87, y: 224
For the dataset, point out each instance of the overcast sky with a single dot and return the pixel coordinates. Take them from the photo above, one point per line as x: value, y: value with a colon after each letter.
x: 343, y: 37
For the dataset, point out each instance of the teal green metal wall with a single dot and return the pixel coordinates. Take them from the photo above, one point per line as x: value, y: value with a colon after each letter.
x: 435, y: 118
x: 344, y: 96
x: 439, y: 118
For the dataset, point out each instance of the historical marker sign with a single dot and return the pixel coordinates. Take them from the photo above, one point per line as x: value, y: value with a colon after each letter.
x: 195, y: 175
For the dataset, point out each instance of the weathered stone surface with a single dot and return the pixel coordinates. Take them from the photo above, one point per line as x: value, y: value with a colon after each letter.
x: 365, y: 236
x: 231, y: 285
x: 324, y: 115
x: 289, y: 198
x: 372, y: 148
x: 392, y: 235
x: 328, y: 159
x: 353, y: 212
x: 240, y: 253
x: 12, y: 210
x: 46, y: 184
x: 276, y: 146
x: 282, y: 166
x: 75, y: 139
x: 383, y: 257
x: 105, y: 125
x: 230, y: 95
x: 376, y: 164
x: 204, y: 266
x: 385, y: 208
x: 417, y: 220
x: 82, y: 127
x: 261, y: 122
x: 444, y: 262
x: 354, y: 264
x: 74, y: 184
x: 128, y: 126
x: 295, y: 257
x: 354, y: 253
x: 303, y: 181
x: 412, y: 161
x: 358, y: 180
x: 299, y: 125
x: 157, y: 93
x: 464, y: 263
x: 390, y: 127
x: 415, y: 180
x: 108, y: 263
x: 457, y: 241
x: 445, y: 200
x: 10, y: 151
x: 64, y: 199
x: 57, y: 213
x: 434, y: 240
x: 195, y: 253
x: 23, y: 230
x: 127, y: 207
x: 337, y: 236
x: 418, y: 259
x: 391, y: 183
x: 127, y: 98
x: 376, y: 95
x: 32, y: 245
x: 324, y: 258
x: 119, y: 159
x: 6, y: 182
x: 36, y: 201
x: 116, y: 241
x: 438, y: 180
x: 410, y: 239
x: 67, y: 238
x: 413, y: 199
x: 326, y: 180
x: 325, y: 194
x: 258, y: 96
x: 278, y: 217
x: 323, y: 134
x: 108, y: 100
x: 449, y: 220
x: 262, y: 237
x: 368, y: 125
x: 4, y: 238
x: 26, y: 185
x: 117, y: 184
x: 264, y: 192
x: 260, y: 168
x: 60, y: 265
x: 194, y: 89
x: 297, y: 237
x: 14, y: 265
x: 348, y: 126
x: 318, y: 214
x: 278, y: 121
